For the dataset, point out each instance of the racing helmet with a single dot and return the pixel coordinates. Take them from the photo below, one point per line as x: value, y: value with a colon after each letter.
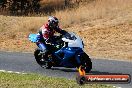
x: 53, y: 21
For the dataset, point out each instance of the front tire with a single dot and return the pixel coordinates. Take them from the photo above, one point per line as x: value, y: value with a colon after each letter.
x: 41, y: 60
x: 86, y: 62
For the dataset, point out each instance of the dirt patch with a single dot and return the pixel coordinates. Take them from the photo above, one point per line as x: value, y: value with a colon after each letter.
x: 113, y: 42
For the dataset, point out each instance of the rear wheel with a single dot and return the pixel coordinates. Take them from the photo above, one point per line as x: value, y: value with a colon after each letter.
x: 86, y: 62
x: 40, y: 59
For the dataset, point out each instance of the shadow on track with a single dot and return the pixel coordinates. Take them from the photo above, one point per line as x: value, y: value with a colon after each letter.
x: 75, y: 70
x: 65, y: 69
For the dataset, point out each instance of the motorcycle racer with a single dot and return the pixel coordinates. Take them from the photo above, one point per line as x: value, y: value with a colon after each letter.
x: 70, y: 53
x: 46, y: 32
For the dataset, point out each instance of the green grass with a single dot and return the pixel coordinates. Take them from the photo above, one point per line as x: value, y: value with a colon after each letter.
x: 13, y: 80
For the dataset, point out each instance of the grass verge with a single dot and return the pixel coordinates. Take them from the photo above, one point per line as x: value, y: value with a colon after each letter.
x: 104, y: 25
x: 13, y: 80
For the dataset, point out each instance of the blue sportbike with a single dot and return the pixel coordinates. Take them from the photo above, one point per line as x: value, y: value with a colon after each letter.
x: 66, y: 51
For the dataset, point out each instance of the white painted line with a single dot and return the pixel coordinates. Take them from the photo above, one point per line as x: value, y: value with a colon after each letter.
x: 114, y: 86
x: 12, y: 72
x: 117, y: 87
x: 2, y: 70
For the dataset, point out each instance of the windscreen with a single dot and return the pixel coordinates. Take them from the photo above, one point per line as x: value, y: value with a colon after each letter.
x: 73, y: 40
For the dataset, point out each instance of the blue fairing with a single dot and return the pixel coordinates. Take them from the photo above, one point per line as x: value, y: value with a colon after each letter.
x: 33, y: 37
x: 69, y: 52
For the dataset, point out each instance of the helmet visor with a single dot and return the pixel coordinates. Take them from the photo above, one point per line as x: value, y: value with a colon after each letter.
x: 55, y: 24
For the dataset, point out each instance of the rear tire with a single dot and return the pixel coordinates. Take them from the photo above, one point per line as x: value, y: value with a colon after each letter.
x: 40, y: 60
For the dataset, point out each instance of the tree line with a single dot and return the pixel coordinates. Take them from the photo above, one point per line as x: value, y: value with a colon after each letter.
x: 20, y: 7
x: 25, y: 7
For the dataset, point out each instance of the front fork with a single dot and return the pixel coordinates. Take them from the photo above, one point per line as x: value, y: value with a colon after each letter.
x: 77, y: 57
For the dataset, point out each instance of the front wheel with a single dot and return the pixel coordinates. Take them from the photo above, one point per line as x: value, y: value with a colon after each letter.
x: 40, y: 59
x: 86, y: 62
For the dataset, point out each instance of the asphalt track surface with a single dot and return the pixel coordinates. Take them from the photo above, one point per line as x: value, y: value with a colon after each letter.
x: 25, y: 63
